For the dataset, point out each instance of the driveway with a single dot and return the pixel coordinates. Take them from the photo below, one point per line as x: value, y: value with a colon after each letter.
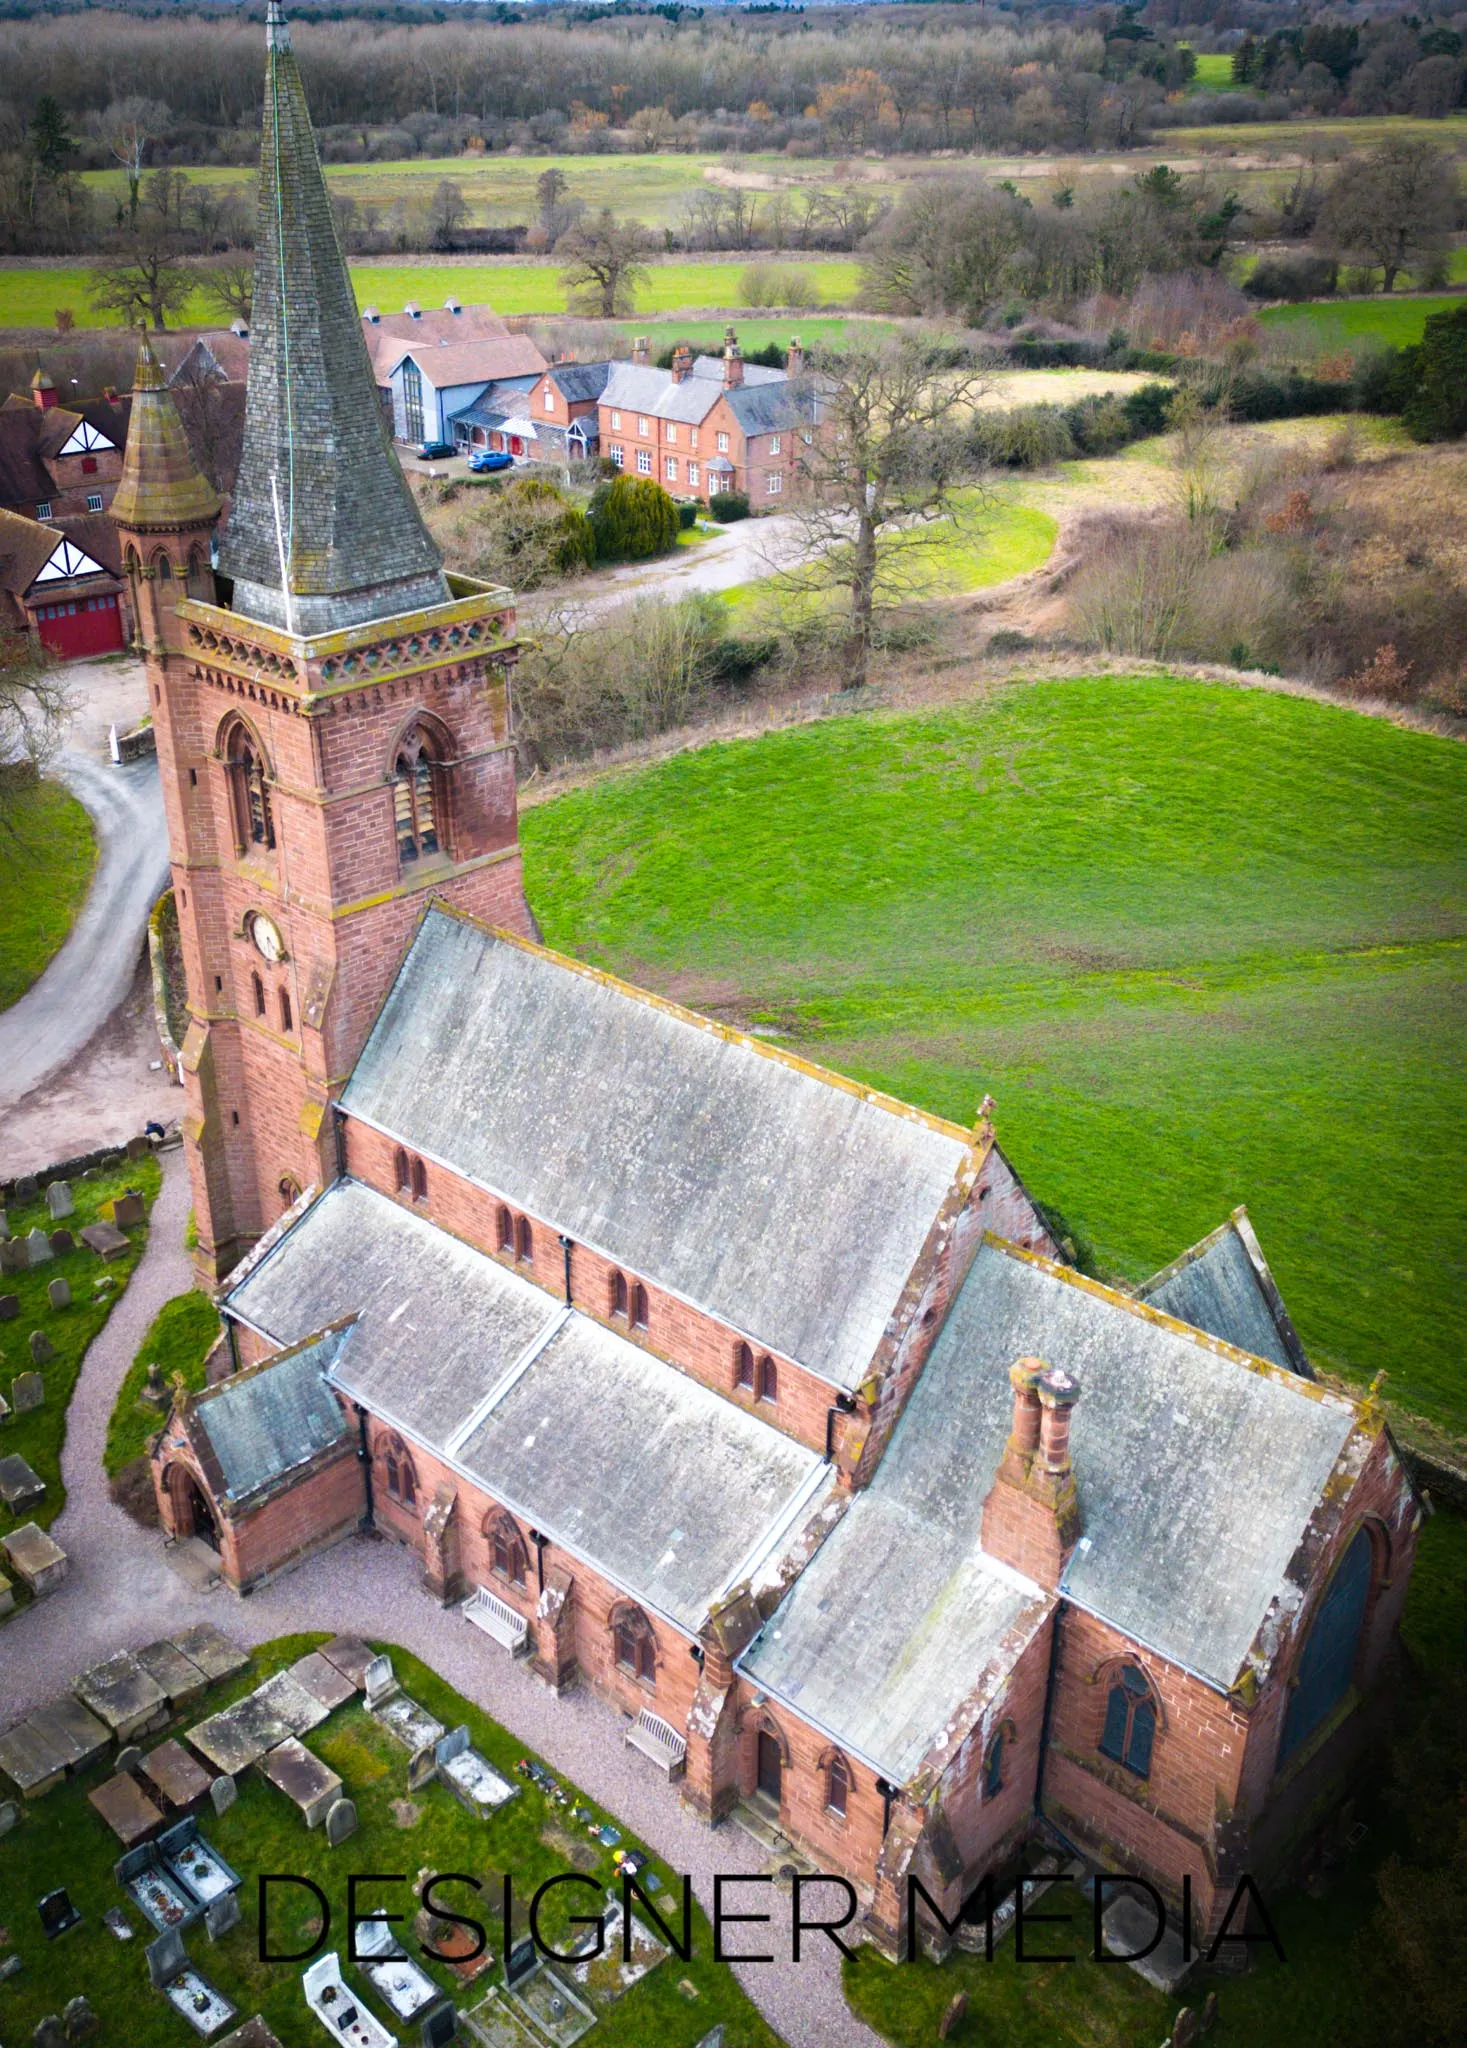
x: 743, y: 553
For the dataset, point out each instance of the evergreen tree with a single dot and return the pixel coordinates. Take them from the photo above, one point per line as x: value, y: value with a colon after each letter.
x: 51, y: 143
x: 632, y: 518
x: 1437, y: 372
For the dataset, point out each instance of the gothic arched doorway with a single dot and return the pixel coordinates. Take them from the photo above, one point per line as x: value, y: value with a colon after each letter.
x: 192, y: 1514
x: 769, y: 1780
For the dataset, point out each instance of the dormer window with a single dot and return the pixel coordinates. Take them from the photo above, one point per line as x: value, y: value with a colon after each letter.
x: 43, y: 508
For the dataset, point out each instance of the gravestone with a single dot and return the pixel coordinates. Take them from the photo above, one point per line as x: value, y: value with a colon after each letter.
x: 223, y: 1792
x: 14, y: 1258
x: 166, y: 1957
x: 9, y: 1307
x: 422, y: 1769
x: 439, y: 2028
x: 38, y: 1247
x: 49, y: 2032
x: 956, y: 2013
x: 62, y: 1242
x: 4, y: 1224
x: 155, y: 1387
x: 713, y: 2040
x: 1184, y: 2028
x: 27, y: 1391
x: 9, y: 1968
x: 79, y: 2019
x: 42, y: 1349
x: 21, y: 1487
x: 105, y: 1239
x: 1209, y: 2012
x: 129, y: 1757
x: 128, y: 1208
x: 221, y: 1916
x: 9, y: 1816
x: 137, y: 1147
x: 379, y: 1679
x: 26, y: 1189
x: 58, y: 1200
x: 57, y: 1913
x: 341, y: 1821
x: 59, y: 1294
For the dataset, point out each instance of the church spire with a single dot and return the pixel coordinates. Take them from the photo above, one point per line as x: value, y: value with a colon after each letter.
x: 161, y: 489
x: 323, y: 532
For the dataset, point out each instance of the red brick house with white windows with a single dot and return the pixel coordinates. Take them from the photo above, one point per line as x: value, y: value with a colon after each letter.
x: 762, y: 1403
x: 710, y: 423
x: 61, y: 582
x: 56, y: 461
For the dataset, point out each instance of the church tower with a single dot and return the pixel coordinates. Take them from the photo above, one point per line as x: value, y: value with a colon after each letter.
x: 332, y: 712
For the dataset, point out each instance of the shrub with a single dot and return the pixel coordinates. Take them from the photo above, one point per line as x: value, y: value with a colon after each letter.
x: 727, y: 506
x: 687, y: 515
x: 1030, y: 437
x: 777, y: 284
x: 1293, y: 278
x: 1147, y: 408
x: 526, y: 533
x: 1007, y: 641
x: 1436, y: 373
x: 1284, y: 394
x: 632, y: 519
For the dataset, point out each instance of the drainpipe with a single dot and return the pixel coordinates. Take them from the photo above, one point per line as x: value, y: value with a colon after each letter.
x: 540, y: 1542
x: 338, y: 1117
x: 1049, y: 1684
x: 889, y: 1794
x: 366, y: 1457
x: 566, y: 1245
x: 232, y: 1334
x: 844, y: 1404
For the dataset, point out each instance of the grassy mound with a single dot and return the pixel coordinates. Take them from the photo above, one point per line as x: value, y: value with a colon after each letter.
x: 1203, y: 945
x: 47, y: 852
x: 179, y: 1339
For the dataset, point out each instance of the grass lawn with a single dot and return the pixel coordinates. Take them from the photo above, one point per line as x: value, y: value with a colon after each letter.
x: 47, y: 852
x: 531, y: 1838
x: 1348, y: 135
x: 95, y: 1288
x: 29, y: 297
x: 179, y: 1339
x: 1204, y: 945
x: 1214, y: 73
x: 1329, y: 324
x: 1320, y: 1997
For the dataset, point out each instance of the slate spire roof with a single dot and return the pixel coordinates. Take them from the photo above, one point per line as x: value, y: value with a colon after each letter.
x: 161, y: 489
x: 314, y: 444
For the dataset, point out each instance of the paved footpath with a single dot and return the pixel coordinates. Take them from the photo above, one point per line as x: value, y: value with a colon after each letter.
x: 120, y: 1593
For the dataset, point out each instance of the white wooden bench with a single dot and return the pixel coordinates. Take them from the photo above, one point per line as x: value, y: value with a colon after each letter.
x: 497, y: 1619
x: 659, y: 1740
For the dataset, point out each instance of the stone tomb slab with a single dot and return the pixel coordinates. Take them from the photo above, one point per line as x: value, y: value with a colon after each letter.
x: 240, y: 1736
x: 211, y: 1650
x: 305, y: 1780
x: 322, y: 1680
x: 255, y: 2033
x: 29, y: 1761
x: 350, y: 1655
x: 178, y: 1675
x: 127, y: 1809
x: 105, y: 1239
x: 288, y: 1700
x: 175, y: 1776
x: 36, y: 1557
x: 123, y: 1694
x: 550, y: 2004
x: 496, y: 2024
x: 413, y: 1726
x: 66, y: 1724
x: 20, y: 1486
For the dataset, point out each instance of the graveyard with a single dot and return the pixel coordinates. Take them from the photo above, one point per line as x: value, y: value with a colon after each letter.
x: 168, y: 1780
x: 67, y: 1253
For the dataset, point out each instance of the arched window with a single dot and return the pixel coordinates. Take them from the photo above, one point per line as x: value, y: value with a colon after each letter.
x: 402, y: 1172
x: 1130, y: 1722
x: 506, y: 1550
x: 162, y: 568
x: 416, y: 778
x: 259, y: 989
x: 768, y: 1379
x: 397, y: 1468
x: 639, y: 1307
x: 619, y: 1295
x: 420, y: 1181
x: 506, y: 1231
x: 287, y: 1022
x: 744, y: 1368
x: 290, y: 1192
x: 524, y: 1240
x: 254, y: 824
x: 837, y: 1783
x: 634, y: 1644
x: 1326, y: 1670
x: 993, y: 1767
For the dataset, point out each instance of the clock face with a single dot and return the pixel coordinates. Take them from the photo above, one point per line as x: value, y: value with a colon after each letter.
x: 266, y: 936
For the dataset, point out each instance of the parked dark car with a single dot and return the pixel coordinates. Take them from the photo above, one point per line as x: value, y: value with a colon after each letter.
x: 489, y: 458
x: 435, y: 451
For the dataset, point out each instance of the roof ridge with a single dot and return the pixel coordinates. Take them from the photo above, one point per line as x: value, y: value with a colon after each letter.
x: 250, y: 1372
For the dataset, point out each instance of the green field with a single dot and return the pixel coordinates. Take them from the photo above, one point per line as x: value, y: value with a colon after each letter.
x: 1327, y: 324
x: 1214, y: 73
x: 47, y: 853
x: 1339, y: 136
x: 1203, y: 945
x: 29, y: 296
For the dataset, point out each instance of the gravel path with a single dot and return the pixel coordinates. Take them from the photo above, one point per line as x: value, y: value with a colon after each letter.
x: 121, y: 1593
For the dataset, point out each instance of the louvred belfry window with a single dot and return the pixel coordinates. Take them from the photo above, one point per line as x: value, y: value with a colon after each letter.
x: 415, y: 798
x: 249, y: 795
x: 1130, y: 1722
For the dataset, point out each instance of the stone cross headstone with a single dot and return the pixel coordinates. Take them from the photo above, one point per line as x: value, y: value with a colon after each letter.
x: 79, y: 2019
x: 9, y: 1307
x: 379, y: 1681
x: 223, y: 1792
x: 41, y: 1348
x: 957, y: 2011
x: 62, y: 1242
x: 58, y: 1200
x: 59, y: 1294
x: 341, y: 1821
x: 38, y: 1247
x: 422, y: 1769
x: 221, y: 1916
x: 129, y: 1758
x: 27, y: 1391
x: 128, y: 1208
x: 166, y: 1957
x: 49, y: 2032
x: 9, y: 1816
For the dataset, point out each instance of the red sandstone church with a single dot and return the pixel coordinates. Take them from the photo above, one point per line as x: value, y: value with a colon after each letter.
x: 763, y: 1404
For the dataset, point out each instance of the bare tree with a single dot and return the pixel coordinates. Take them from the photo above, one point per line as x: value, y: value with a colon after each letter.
x: 229, y: 281
x: 879, y: 466
x: 1394, y: 208
x: 128, y: 126
x: 34, y: 705
x: 448, y: 214
x: 145, y: 284
x: 605, y: 262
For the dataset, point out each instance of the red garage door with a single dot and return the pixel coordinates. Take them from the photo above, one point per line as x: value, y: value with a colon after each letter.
x: 81, y: 625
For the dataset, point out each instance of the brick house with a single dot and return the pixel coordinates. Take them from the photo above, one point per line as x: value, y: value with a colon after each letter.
x: 56, y: 461
x: 760, y: 1402
x: 551, y: 418
x: 61, y: 582
x: 430, y: 364
x: 710, y: 423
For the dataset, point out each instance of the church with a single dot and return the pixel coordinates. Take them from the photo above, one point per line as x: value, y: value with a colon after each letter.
x: 761, y: 1403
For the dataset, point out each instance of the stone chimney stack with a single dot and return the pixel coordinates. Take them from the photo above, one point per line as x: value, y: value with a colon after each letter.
x: 795, y: 360
x: 1031, y: 1518
x: 641, y: 351
x: 43, y: 391
x: 682, y: 362
x: 733, y: 359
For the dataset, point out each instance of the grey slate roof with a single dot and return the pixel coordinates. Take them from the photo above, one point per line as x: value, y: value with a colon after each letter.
x: 1223, y: 1285
x: 628, y: 1463
x: 767, y: 408
x: 356, y: 545
x: 788, y: 1203
x: 638, y: 387
x: 754, y: 373
x: 578, y: 381
x: 264, y: 1422
x: 1197, y: 1474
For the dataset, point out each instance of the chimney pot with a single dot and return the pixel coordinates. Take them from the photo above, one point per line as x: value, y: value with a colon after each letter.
x: 641, y: 350
x: 1057, y: 1393
x: 1024, y: 1377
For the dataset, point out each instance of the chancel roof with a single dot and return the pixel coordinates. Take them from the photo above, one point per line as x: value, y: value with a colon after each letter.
x: 258, y: 1425
x: 647, y: 1474
x: 786, y: 1202
x: 1223, y: 1285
